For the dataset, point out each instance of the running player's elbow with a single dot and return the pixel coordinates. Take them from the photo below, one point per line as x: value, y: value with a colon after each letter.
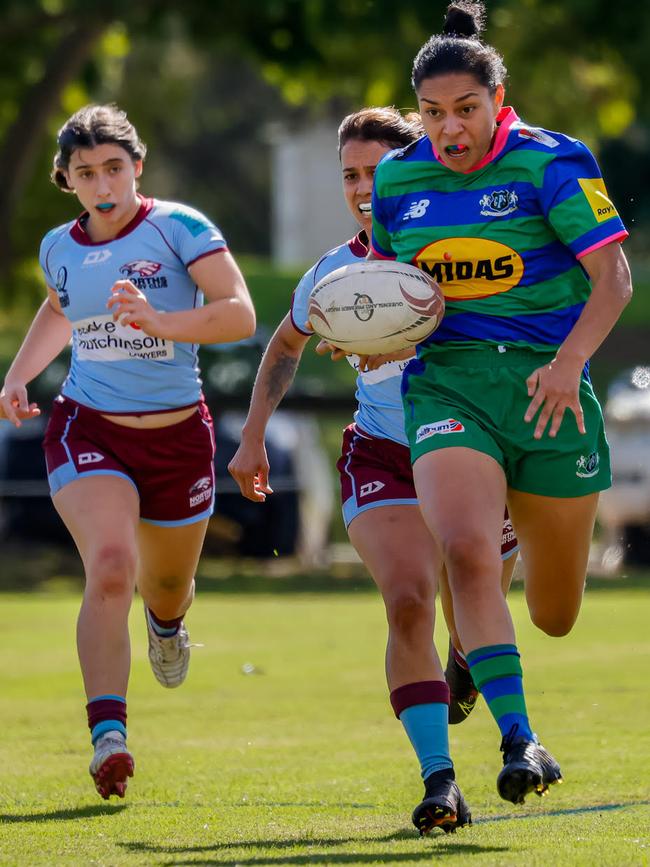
x: 245, y: 322
x: 250, y: 320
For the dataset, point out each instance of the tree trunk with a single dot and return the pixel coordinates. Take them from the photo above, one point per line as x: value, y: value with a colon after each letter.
x: 22, y: 140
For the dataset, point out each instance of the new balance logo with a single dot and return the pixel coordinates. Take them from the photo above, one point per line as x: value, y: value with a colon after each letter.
x: 417, y: 209
x: 89, y: 458
x: 370, y: 488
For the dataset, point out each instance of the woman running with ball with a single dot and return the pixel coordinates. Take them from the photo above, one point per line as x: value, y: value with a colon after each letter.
x: 129, y: 444
x: 380, y: 506
x: 515, y: 224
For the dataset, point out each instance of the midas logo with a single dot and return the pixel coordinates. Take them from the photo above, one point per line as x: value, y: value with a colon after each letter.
x: 467, y: 268
x: 596, y: 194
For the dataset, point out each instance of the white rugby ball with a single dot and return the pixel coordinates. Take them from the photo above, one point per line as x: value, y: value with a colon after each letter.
x: 375, y: 307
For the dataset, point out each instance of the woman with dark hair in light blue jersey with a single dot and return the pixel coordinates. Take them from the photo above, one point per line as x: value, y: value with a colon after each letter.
x: 380, y: 507
x: 129, y: 444
x: 515, y: 224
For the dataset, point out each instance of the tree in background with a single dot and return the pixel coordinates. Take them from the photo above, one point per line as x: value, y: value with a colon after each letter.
x: 185, y: 73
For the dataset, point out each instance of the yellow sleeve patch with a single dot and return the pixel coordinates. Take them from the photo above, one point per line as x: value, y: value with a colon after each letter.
x: 596, y: 194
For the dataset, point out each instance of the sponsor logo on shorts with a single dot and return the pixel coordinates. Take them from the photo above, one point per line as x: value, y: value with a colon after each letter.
x: 89, y: 458
x: 588, y: 466
x: 201, y: 491
x: 499, y: 203
x: 370, y: 488
x: 446, y: 426
x: 599, y: 201
x: 96, y: 257
x: 469, y: 268
x: 417, y: 209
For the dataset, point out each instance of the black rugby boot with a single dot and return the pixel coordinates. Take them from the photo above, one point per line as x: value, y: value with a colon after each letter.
x: 527, y: 767
x: 462, y: 692
x: 443, y: 805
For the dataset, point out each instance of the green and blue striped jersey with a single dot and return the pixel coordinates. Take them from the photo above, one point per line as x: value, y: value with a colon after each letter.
x: 504, y: 240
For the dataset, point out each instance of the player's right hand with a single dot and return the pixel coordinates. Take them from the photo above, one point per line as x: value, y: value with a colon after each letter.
x: 323, y: 347
x: 14, y: 406
x: 250, y: 469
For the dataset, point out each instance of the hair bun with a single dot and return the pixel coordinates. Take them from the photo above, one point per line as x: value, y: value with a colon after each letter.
x: 464, y: 19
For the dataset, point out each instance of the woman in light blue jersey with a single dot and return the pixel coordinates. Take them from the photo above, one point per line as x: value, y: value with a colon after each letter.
x: 380, y: 507
x: 129, y: 444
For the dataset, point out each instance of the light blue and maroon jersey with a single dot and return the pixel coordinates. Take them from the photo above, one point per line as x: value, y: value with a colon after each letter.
x: 118, y: 368
x: 504, y: 240
x: 380, y: 412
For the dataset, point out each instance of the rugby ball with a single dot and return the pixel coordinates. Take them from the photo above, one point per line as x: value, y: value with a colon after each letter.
x: 375, y: 307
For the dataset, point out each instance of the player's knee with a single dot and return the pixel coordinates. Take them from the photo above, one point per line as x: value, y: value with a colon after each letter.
x: 466, y: 557
x: 554, y: 623
x: 410, y: 611
x: 112, y: 570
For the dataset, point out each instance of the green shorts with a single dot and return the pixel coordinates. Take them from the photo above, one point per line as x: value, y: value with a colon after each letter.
x: 477, y: 398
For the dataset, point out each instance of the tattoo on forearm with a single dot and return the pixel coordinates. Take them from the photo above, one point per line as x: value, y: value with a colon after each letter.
x: 280, y: 377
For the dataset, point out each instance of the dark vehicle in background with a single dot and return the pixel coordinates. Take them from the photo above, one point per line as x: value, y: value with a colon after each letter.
x: 624, y: 509
x: 294, y: 521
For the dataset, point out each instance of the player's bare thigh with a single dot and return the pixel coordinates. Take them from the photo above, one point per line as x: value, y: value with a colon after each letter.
x: 555, y: 536
x: 101, y: 514
x: 398, y: 549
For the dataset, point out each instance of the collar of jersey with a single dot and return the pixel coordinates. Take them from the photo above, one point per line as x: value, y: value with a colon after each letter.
x: 505, y: 119
x: 81, y: 236
x: 359, y: 245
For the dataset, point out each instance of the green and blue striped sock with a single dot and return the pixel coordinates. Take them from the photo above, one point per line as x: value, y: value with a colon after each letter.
x: 496, y: 672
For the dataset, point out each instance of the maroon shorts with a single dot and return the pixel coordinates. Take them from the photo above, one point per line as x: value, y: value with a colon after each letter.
x: 170, y: 467
x: 377, y: 472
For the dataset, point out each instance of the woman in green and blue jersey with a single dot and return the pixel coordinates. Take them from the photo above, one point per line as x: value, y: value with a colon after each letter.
x: 515, y: 224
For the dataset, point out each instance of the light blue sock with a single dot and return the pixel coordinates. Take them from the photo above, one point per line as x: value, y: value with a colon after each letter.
x: 427, y: 728
x: 162, y: 631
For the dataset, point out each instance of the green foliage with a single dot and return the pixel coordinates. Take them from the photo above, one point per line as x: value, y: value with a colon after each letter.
x: 205, y: 83
x: 301, y: 762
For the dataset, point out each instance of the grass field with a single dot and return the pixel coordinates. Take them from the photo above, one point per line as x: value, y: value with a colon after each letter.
x: 300, y: 762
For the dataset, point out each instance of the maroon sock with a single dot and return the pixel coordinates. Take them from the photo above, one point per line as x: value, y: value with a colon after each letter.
x: 420, y: 692
x: 106, y: 713
x: 166, y: 624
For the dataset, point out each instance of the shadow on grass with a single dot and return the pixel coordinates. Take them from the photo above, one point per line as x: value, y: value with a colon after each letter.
x: 312, y: 857
x: 570, y: 811
x: 59, y: 815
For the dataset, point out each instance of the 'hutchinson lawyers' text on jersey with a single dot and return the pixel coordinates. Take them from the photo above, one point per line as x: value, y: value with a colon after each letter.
x: 118, y: 368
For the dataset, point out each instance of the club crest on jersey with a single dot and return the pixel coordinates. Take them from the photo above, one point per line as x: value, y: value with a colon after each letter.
x: 61, y: 280
x: 499, y: 203
x: 445, y: 426
x: 140, y: 267
x: 588, y: 466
